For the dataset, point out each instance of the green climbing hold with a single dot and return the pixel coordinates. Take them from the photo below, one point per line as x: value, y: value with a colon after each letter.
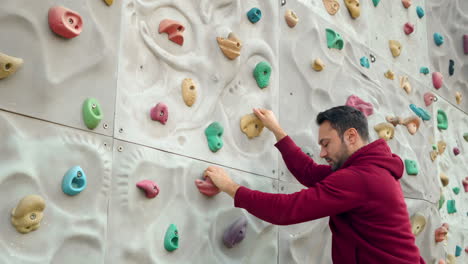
x: 262, y: 74
x: 442, y: 122
x: 424, y: 70
x: 465, y: 136
x: 92, y: 113
x: 456, y: 190
x: 171, y: 239
x: 411, y: 167
x: 441, y: 200
x: 451, y: 207
x: 376, y: 2
x: 214, y: 133
x: 334, y: 40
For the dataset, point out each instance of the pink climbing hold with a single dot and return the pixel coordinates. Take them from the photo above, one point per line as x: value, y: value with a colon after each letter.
x: 408, y: 28
x: 465, y: 44
x: 441, y: 232
x: 150, y: 188
x: 429, y: 98
x: 160, y: 113
x: 65, y: 22
x: 406, y: 3
x: 173, y: 29
x: 366, y: 108
x: 466, y: 249
x: 465, y: 184
x: 456, y: 151
x: 207, y: 187
x: 437, y: 79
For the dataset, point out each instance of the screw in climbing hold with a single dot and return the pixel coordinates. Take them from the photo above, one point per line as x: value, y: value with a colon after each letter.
x: 74, y: 181
x: 92, y: 114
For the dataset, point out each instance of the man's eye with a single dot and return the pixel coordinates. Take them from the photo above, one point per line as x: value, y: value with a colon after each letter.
x: 326, y: 145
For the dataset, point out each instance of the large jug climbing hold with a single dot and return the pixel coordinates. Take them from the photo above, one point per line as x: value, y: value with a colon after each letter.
x: 251, y: 126
x: 354, y: 101
x: 437, y: 79
x: 406, y: 3
x: 207, y: 187
x: 451, y: 209
x: 451, y: 67
x: 262, y: 73
x: 458, y: 251
x: 424, y: 70
x: 389, y: 75
x: 395, y: 48
x: 189, y: 91
x: 160, y: 113
x: 92, y: 114
x: 27, y: 215
x: 231, y: 46
x: 465, y: 44
x: 74, y: 181
x: 438, y: 39
x: 408, y: 28
x: 174, y: 30
x: 318, y: 65
x: 364, y: 62
x: 458, y: 97
x: 411, y: 167
x: 412, y: 124
x: 429, y: 98
x: 418, y: 222
x: 291, y: 18
x: 235, y: 233
x: 423, y: 114
x: 404, y: 84
x: 456, y: 190
x: 442, y: 120
x: 394, y: 120
x: 456, y: 151
x: 171, y: 239
x: 150, y: 188
x: 334, y: 40
x: 465, y: 184
x: 441, y: 146
x: 354, y: 8
x: 9, y: 65
x: 254, y: 15
x: 420, y: 11
x: 444, y: 179
x: 214, y: 135
x: 385, y: 130
x: 65, y: 22
x: 376, y: 2
x: 109, y: 2
x: 441, y: 233
x: 332, y: 6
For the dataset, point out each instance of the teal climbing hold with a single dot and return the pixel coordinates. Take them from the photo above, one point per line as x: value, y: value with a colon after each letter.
x: 92, y: 113
x: 442, y: 121
x: 451, y: 207
x: 420, y: 11
x: 171, y: 239
x: 424, y: 70
x: 376, y: 2
x: 411, y: 167
x: 423, y: 114
x: 214, y: 133
x: 254, y: 15
x: 438, y: 39
x: 441, y: 200
x: 262, y: 73
x: 334, y: 40
x: 456, y: 190
x: 458, y: 251
x: 74, y: 181
x: 365, y: 62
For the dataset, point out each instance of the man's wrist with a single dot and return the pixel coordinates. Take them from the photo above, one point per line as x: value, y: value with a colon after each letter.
x: 279, y: 134
x: 232, y: 189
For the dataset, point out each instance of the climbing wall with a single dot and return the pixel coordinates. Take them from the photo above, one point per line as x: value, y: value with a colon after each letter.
x: 118, y: 57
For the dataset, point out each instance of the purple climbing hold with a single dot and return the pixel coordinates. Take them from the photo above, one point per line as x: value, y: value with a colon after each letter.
x: 456, y: 151
x: 235, y: 233
x: 160, y: 113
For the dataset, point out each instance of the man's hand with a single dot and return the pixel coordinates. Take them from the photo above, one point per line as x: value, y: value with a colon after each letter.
x: 270, y: 122
x: 221, y: 179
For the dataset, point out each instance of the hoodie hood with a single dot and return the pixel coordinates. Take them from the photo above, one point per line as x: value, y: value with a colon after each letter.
x: 379, y: 154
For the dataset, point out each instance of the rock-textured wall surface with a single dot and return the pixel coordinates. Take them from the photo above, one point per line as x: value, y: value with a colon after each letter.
x: 121, y: 59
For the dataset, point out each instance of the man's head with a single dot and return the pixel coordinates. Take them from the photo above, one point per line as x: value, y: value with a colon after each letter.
x: 342, y: 131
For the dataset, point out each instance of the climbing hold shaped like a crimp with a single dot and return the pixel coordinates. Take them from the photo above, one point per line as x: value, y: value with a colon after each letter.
x: 354, y: 101
x: 74, y: 181
x: 318, y: 65
x: 65, y: 22
x: 408, y: 28
x: 389, y: 75
x: 230, y: 46
x: 254, y: 15
x: 458, y: 251
x: 411, y: 167
x: 353, y: 8
x: 465, y: 44
x: 458, y: 97
x: 456, y: 151
x: 207, y: 187
x: 395, y: 48
x: 171, y: 239
x: 456, y: 190
x: 442, y: 120
x: 235, y: 233
x: 160, y: 113
x: 251, y: 126
x: 438, y: 39
x: 429, y: 98
x: 189, y: 91
x: 406, y: 3
x: 214, y: 135
x: 404, y: 84
x: 412, y: 124
x: 92, y: 114
x: 364, y: 62
x: 291, y: 18
x: 332, y: 6
x: 451, y: 67
x: 334, y: 40
x: 418, y: 222
x: 465, y: 184
x: 262, y: 73
x: 376, y: 2
x: 437, y: 79
x: 451, y: 206
x: 423, y: 114
x: 441, y: 146
x: 174, y: 30
x: 385, y: 130
x: 420, y: 11
x: 9, y: 65
x: 150, y: 188
x: 394, y: 120
x: 441, y: 233
x: 27, y: 215
x: 109, y: 2
x: 424, y: 70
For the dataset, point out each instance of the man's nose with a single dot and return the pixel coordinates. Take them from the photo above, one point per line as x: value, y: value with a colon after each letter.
x: 323, y: 153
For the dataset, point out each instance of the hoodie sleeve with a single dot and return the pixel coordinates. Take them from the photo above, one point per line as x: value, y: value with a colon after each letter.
x: 300, y: 165
x: 338, y: 193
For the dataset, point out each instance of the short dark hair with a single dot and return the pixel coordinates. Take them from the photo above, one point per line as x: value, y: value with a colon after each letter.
x: 344, y: 117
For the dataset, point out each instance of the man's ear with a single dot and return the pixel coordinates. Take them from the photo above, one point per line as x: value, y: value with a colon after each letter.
x: 351, y: 135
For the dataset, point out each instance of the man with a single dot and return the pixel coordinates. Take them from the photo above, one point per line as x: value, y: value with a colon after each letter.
x: 359, y: 190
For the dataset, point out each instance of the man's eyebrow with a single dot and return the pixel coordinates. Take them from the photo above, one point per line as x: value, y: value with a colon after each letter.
x: 323, y: 139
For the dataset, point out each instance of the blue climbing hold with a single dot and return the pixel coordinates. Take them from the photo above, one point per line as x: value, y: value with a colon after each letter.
x: 365, y: 62
x: 423, y: 114
x: 254, y: 15
x: 438, y: 39
x: 74, y: 181
x: 424, y: 70
x: 420, y: 11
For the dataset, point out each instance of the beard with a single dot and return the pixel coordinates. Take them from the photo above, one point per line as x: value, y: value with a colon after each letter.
x: 341, y: 157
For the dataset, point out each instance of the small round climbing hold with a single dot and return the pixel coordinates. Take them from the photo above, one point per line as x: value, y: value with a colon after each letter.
x: 441, y: 232
x: 376, y: 2
x: 465, y: 44
x: 456, y: 190
x: 406, y: 3
x: 332, y: 6
x: 291, y: 18
x: 230, y: 46
x: 389, y: 75
x: 423, y: 114
x: 456, y: 151
x: 92, y: 114
x: 385, y: 130
x: 437, y: 79
x: 395, y: 48
x: 442, y: 120
x: 451, y: 207
x: 171, y: 239
x: 27, y: 215
x: 150, y: 188
x: 451, y: 67
x: 189, y: 91
x: 160, y: 113
x: 9, y: 65
x: 207, y: 187
x: 458, y: 97
x: 420, y: 11
x: 173, y: 29
x: 354, y: 8
x: 262, y: 73
x: 408, y: 28
x: 318, y: 65
x: 405, y: 85
x: 334, y: 40
x: 254, y: 15
x: 364, y: 62
x: 366, y: 108
x: 411, y: 167
x: 251, y: 126
x: 235, y: 233
x: 74, y: 181
x: 214, y: 135
x: 438, y: 39
x: 429, y: 98
x: 418, y: 222
x: 65, y: 22
x: 424, y: 70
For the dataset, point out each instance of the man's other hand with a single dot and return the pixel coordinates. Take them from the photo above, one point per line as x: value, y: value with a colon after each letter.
x: 221, y: 179
x: 269, y: 121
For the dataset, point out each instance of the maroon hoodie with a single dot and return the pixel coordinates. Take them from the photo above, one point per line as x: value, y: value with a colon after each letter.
x: 368, y: 214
